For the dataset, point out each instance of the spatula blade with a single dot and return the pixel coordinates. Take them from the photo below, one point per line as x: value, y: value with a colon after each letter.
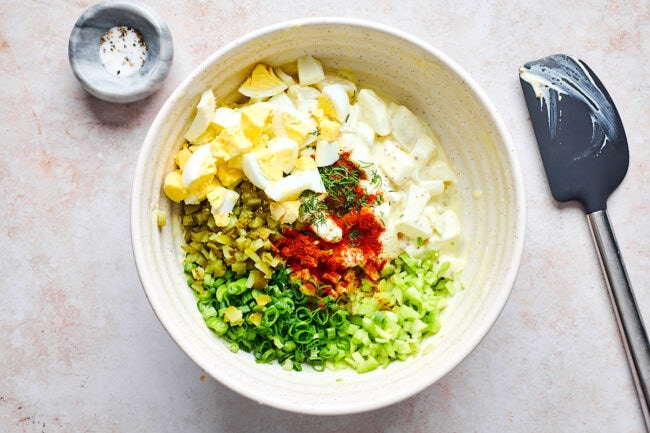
x: 579, y: 132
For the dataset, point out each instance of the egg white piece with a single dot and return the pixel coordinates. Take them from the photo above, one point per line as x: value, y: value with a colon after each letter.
x: 415, y: 201
x: 412, y: 222
x: 204, y: 114
x: 414, y: 228
x: 337, y: 94
x: 253, y: 171
x: 286, y: 78
x: 228, y: 203
x: 330, y: 79
x: 452, y: 225
x: 395, y: 163
x: 328, y: 230
x: 305, y: 99
x: 374, y: 112
x: 226, y: 117
x: 423, y: 151
x: 437, y: 170
x: 406, y: 127
x: 327, y: 153
x: 434, y: 187
x: 310, y: 70
x: 359, y: 149
x: 222, y: 200
x: 291, y: 186
x: 200, y: 164
x: 282, y: 101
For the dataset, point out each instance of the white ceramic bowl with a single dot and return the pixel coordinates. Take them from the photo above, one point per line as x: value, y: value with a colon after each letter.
x: 474, y: 139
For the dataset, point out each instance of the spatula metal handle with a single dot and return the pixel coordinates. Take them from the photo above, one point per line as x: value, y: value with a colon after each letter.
x: 630, y: 323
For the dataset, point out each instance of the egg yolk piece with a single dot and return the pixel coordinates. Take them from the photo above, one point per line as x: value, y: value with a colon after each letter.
x: 262, y: 83
x: 286, y: 152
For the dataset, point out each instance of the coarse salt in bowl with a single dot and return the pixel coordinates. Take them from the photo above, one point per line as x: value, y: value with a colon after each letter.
x: 492, y: 209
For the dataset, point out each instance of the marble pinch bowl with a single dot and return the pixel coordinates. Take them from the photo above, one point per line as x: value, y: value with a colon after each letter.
x: 475, y: 140
x: 84, y: 43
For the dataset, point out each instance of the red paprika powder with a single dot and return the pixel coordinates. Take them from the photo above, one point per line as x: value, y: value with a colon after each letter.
x: 328, y: 268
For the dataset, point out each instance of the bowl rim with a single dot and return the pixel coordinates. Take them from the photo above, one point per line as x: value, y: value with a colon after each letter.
x: 517, y: 248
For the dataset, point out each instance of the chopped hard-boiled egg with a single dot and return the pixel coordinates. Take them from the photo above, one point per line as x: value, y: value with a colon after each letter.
x: 262, y: 83
x: 182, y: 156
x: 325, y: 108
x: 434, y: 187
x: 452, y: 225
x: 173, y: 186
x: 254, y: 172
x: 291, y: 124
x: 310, y: 70
x: 306, y: 161
x: 374, y: 112
x: 204, y: 114
x: 222, y: 201
x: 417, y: 227
x: 406, y: 127
x: 198, y: 192
x: 396, y: 164
x: 437, y: 170
x: 304, y: 98
x: 228, y: 175
x: 285, y: 212
x: 255, y: 120
x: 358, y: 147
x: 328, y: 129
x: 330, y: 79
x: 281, y: 102
x: 286, y: 152
x: 327, y: 229
x: 339, y: 99
x: 269, y: 164
x: 286, y: 78
x: 412, y: 222
x: 226, y: 117
x: 327, y: 153
x: 264, y: 166
x: 290, y: 187
x: 423, y: 151
x: 229, y: 144
x: 201, y: 166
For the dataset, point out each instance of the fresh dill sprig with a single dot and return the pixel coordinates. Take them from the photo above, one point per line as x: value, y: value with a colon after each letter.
x: 375, y: 179
x: 312, y: 204
x: 353, y: 235
x: 318, y: 219
x: 340, y: 182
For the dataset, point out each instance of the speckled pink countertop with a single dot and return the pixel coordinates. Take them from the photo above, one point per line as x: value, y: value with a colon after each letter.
x: 82, y: 351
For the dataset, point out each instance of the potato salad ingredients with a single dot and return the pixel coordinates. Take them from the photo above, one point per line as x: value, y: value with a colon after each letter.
x: 319, y: 220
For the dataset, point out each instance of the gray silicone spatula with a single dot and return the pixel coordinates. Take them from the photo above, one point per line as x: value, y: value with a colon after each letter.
x: 585, y: 155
